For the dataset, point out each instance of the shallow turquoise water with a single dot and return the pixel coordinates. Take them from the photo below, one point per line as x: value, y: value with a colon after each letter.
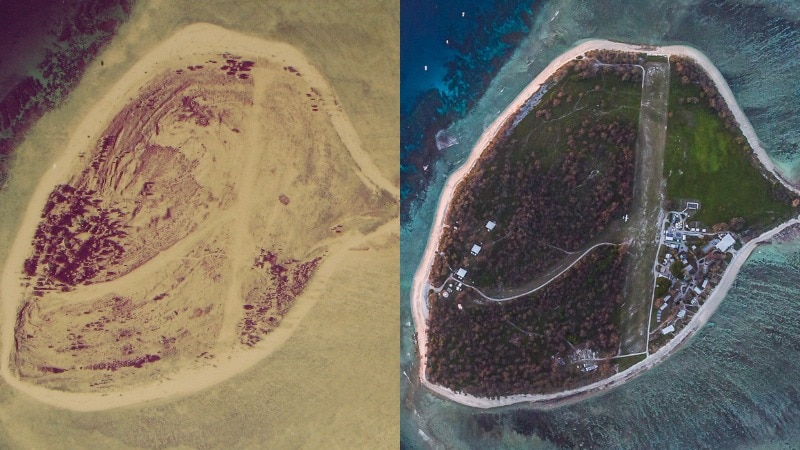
x: 735, y: 384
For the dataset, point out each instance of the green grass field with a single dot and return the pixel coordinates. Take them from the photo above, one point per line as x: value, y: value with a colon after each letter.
x: 703, y: 161
x: 628, y: 361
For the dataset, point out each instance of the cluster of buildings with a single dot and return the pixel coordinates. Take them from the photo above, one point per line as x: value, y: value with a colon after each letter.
x: 585, y: 359
x: 476, y: 248
x: 690, y: 254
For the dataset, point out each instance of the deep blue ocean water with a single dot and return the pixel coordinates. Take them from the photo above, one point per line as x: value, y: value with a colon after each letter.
x: 450, y: 50
x: 735, y: 385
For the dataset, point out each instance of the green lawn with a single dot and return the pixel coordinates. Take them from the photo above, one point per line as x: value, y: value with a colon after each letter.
x: 704, y: 162
x: 628, y: 361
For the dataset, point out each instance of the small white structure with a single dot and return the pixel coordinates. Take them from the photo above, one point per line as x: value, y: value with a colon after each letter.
x: 475, y: 249
x: 490, y: 225
x: 668, y: 329
x: 705, y: 283
x: 725, y: 243
x: 698, y: 290
x: 663, y: 306
x: 666, y: 299
x: 681, y: 314
x: 692, y: 205
x: 461, y: 273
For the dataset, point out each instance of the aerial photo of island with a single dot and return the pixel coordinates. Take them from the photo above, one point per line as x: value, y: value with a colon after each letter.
x: 581, y: 235
x: 189, y: 211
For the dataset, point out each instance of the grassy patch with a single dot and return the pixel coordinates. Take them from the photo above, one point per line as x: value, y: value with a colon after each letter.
x: 628, y: 361
x: 704, y: 161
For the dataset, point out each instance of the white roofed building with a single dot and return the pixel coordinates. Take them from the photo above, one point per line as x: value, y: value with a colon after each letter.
x: 726, y: 243
x: 490, y: 225
x: 461, y: 273
x: 475, y: 249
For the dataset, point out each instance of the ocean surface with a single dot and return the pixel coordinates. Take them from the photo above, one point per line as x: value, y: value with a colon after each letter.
x: 735, y: 384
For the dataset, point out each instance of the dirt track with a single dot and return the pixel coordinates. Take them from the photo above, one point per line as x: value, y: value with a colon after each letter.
x: 643, y: 225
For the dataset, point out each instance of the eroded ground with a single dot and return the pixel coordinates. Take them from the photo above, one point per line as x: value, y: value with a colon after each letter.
x: 188, y: 228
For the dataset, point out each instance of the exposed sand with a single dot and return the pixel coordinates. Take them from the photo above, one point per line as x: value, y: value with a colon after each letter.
x: 420, y: 285
x: 347, y: 182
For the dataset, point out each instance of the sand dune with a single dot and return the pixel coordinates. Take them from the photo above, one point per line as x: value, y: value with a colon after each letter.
x: 227, y: 182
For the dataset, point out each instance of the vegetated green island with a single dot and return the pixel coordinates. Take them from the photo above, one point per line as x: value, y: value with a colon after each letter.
x: 552, y: 232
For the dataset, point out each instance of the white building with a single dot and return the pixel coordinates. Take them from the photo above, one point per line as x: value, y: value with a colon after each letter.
x: 681, y: 314
x: 461, y: 273
x: 725, y: 243
x: 475, y: 249
x: 668, y: 329
x: 490, y: 225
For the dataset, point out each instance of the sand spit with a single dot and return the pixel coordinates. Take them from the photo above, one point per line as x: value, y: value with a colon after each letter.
x: 420, y: 284
x: 228, y: 215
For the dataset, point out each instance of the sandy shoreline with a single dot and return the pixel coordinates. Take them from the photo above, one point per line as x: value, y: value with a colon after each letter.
x: 193, y: 39
x: 420, y: 284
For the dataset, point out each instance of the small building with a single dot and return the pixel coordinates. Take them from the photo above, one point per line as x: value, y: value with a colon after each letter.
x: 666, y: 299
x: 475, y: 249
x: 663, y: 306
x: 688, y: 268
x: 461, y: 273
x: 705, y: 283
x: 697, y: 290
x: 681, y: 314
x: 692, y: 205
x: 726, y: 243
x: 710, y: 245
x: 668, y: 329
x: 490, y: 225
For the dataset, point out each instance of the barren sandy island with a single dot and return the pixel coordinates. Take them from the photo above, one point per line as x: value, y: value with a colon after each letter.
x: 597, y: 224
x: 216, y: 185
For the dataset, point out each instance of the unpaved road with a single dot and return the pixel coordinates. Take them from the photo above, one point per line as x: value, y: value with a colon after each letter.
x: 643, y: 224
